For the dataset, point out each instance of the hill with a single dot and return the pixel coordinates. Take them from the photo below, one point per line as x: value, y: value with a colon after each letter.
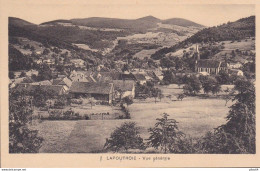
x: 19, y: 22
x: 140, y: 25
x: 181, y: 22
x: 238, y: 30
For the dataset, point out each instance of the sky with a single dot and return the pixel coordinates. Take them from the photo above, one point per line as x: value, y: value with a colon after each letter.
x: 207, y: 15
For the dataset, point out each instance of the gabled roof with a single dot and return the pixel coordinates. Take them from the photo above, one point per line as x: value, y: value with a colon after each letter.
x: 124, y: 85
x: 18, y: 80
x: 208, y: 63
x: 90, y: 87
x: 139, y: 77
x: 62, y: 81
x: 45, y: 82
x: 57, y: 89
x: 234, y: 71
x: 110, y: 75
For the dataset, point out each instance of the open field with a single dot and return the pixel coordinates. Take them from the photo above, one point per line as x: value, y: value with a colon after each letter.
x: 242, y: 45
x: 195, y: 115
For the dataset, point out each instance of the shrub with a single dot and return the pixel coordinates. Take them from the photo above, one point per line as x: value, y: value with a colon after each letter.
x: 125, y: 137
x: 165, y: 134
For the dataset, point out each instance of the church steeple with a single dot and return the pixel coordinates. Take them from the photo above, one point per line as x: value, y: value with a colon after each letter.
x: 197, y: 52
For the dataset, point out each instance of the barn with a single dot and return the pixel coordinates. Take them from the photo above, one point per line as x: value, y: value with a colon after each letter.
x: 99, y: 91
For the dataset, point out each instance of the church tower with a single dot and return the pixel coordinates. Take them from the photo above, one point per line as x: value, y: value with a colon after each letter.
x: 197, y: 53
x: 196, y: 57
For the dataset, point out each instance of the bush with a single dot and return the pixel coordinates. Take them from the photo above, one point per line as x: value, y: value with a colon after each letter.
x: 86, y: 117
x: 125, y: 137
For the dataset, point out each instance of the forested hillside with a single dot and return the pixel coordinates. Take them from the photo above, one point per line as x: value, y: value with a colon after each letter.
x: 237, y: 30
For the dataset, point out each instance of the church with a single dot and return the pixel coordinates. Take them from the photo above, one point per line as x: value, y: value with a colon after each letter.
x: 208, y: 65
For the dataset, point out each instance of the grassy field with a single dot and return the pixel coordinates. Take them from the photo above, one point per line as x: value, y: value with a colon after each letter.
x: 195, y: 115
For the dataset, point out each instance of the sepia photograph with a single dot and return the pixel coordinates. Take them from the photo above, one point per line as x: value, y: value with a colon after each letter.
x: 128, y: 84
x: 160, y: 82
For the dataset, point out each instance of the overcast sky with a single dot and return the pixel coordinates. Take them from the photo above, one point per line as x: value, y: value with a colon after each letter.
x: 208, y: 15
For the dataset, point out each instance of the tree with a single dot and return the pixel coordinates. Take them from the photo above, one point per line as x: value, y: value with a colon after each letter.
x: 160, y: 95
x: 11, y: 75
x: 21, y: 138
x: 155, y: 92
x: 127, y: 100
x: 168, y: 77
x: 238, y: 134
x: 180, y: 96
x: 125, y: 68
x: 45, y: 73
x: 192, y: 86
x: 40, y: 96
x: 216, y: 88
x: 166, y: 62
x: 223, y: 77
x: 46, y: 51
x: 210, y: 84
x: 165, y: 134
x: 125, y: 137
x: 92, y: 101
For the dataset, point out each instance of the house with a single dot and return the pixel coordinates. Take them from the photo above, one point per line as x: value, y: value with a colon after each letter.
x: 49, y: 61
x: 107, y: 76
x: 78, y: 76
x: 78, y: 63
x: 99, y: 91
x: 110, y: 76
x: 44, y: 82
x: 16, y: 81
x: 82, y: 76
x: 210, y: 66
x: 66, y: 82
x: 18, y: 73
x: 158, y: 73
x: 236, y: 72
x: 38, y: 52
x: 235, y: 65
x: 27, y: 87
x: 124, y: 88
x: 32, y: 72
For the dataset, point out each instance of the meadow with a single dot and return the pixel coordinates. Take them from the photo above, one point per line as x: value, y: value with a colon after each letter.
x: 195, y: 117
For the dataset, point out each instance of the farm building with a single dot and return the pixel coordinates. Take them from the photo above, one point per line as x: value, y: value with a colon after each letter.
x: 63, y: 81
x: 110, y: 76
x: 124, y: 88
x: 81, y: 76
x: 55, y: 89
x: 210, y: 66
x: 78, y: 62
x: 236, y: 72
x: 99, y: 91
x: 236, y: 65
x: 44, y: 82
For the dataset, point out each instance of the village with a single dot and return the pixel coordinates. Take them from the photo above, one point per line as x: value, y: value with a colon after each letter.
x: 133, y: 94
x: 82, y: 87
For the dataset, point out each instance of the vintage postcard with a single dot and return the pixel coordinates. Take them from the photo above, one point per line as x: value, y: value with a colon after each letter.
x: 129, y: 83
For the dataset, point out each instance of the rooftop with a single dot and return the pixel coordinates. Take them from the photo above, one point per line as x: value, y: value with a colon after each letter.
x: 90, y: 87
x: 124, y: 85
